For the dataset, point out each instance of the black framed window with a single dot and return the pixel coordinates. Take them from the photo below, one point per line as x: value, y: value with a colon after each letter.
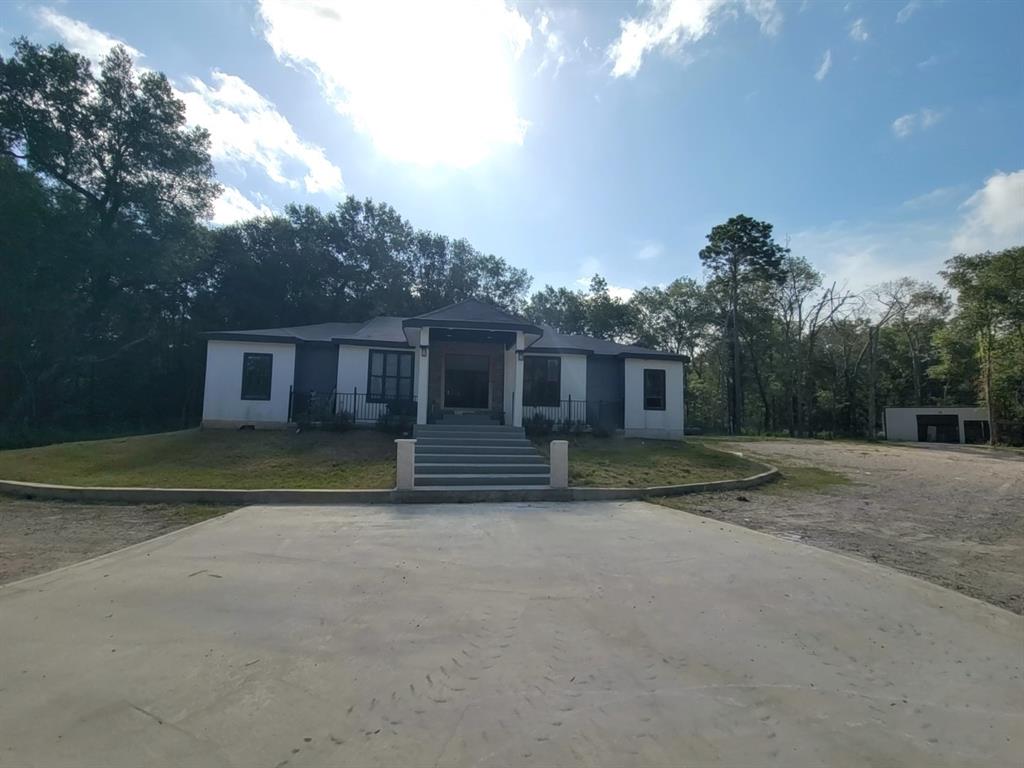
x: 390, y: 376
x: 257, y: 373
x: 654, y: 389
x: 542, y: 381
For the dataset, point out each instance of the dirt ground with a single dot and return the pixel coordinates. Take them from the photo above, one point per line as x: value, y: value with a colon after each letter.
x: 38, y: 536
x: 953, y: 515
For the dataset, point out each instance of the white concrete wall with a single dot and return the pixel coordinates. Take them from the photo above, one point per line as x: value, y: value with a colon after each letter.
x: 901, y: 423
x: 353, y: 370
x: 353, y: 365
x: 574, y: 376
x: 222, y: 397
x: 667, y: 424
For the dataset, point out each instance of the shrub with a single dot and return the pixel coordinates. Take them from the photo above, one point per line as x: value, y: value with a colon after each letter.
x: 538, y: 425
x: 399, y: 418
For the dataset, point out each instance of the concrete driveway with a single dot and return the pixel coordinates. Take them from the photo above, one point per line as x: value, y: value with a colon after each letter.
x: 547, y: 634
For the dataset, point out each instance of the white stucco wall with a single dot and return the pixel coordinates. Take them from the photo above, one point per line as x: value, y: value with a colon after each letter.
x: 353, y: 368
x: 638, y: 422
x: 574, y: 376
x: 222, y: 397
x: 901, y: 423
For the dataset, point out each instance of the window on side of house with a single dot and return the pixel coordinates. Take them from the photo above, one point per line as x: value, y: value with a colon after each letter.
x: 654, y: 389
x: 257, y: 374
x: 542, y: 381
x: 390, y: 376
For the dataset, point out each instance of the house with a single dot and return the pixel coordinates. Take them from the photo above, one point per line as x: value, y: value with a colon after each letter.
x: 468, y: 359
x: 937, y: 425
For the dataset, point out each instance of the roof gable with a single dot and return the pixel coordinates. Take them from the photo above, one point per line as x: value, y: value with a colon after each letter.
x: 471, y: 312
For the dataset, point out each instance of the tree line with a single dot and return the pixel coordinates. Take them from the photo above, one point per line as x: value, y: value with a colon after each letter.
x: 110, y: 273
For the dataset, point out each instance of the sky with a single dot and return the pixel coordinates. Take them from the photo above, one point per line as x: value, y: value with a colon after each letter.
x: 879, y: 138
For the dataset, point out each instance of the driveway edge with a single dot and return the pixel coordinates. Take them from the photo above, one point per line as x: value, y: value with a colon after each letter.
x: 245, y: 497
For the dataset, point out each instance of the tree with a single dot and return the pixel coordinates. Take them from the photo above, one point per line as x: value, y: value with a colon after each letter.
x: 739, y: 252
x: 990, y: 305
x: 674, y: 318
x: 119, y: 141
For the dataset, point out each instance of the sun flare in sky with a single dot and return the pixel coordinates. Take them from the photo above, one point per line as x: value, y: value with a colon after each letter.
x: 429, y: 84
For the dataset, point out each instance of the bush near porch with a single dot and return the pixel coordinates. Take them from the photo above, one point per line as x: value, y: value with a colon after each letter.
x: 608, y: 462
x: 199, y: 458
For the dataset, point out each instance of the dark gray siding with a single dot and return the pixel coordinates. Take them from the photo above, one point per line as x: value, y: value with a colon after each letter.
x: 316, y: 367
x: 606, y: 380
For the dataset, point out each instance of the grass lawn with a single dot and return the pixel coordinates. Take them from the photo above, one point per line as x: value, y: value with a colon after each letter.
x: 214, y: 459
x: 630, y: 463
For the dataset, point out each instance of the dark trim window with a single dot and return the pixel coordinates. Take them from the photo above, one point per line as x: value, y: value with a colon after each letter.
x: 542, y: 381
x: 389, y: 376
x: 654, y: 389
x: 257, y: 374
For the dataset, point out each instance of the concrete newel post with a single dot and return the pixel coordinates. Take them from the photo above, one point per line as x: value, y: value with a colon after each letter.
x: 559, y: 463
x: 406, y: 464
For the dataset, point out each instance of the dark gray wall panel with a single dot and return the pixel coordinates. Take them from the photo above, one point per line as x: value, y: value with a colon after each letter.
x: 316, y: 367
x: 606, y: 378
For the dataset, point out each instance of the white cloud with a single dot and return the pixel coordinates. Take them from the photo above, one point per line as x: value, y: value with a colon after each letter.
x: 555, y: 52
x: 826, y: 65
x: 621, y: 293
x: 904, y: 125
x: 245, y: 128
x: 80, y: 37
x: 928, y: 63
x: 670, y: 25
x: 859, y: 31
x: 648, y: 251
x: 866, y: 253
x: 857, y: 255
x: 907, y: 11
x: 429, y: 84
x: 930, y: 117
x: 931, y: 199
x: 993, y: 216
x: 233, y: 206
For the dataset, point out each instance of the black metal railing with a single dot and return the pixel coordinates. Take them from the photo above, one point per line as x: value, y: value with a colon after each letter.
x: 346, y: 407
x: 571, y: 415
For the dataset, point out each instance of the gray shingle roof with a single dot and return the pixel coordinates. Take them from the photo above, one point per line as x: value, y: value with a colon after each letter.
x: 472, y: 312
x: 552, y: 341
x: 388, y: 331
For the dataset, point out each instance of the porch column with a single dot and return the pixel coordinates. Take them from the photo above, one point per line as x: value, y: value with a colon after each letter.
x: 422, y: 406
x: 517, y: 399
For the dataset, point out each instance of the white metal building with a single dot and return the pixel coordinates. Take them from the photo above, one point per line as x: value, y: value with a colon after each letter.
x: 937, y: 425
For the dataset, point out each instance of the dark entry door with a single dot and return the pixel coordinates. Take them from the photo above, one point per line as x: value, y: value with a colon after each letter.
x: 466, y: 381
x: 938, y: 428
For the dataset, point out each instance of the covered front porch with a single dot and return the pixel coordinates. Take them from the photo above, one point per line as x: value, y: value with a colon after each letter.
x: 469, y: 375
x: 472, y: 356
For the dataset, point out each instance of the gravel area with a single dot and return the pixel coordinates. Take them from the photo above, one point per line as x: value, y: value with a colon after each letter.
x: 953, y: 515
x: 38, y: 536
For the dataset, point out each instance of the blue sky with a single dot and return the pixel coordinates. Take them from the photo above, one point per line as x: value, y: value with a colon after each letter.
x: 879, y: 138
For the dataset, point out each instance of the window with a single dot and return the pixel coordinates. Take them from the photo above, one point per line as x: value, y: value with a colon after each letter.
x: 390, y: 376
x: 257, y: 371
x: 654, y: 389
x: 542, y: 381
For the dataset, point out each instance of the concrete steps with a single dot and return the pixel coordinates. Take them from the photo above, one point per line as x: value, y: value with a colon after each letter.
x: 485, y: 455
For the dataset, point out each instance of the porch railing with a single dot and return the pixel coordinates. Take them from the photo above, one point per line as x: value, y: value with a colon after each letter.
x: 572, y: 414
x: 355, y: 407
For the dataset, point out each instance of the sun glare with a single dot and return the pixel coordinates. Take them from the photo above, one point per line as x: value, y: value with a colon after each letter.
x: 429, y: 84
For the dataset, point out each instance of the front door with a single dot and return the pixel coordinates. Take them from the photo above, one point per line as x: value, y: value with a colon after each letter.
x: 466, y: 381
